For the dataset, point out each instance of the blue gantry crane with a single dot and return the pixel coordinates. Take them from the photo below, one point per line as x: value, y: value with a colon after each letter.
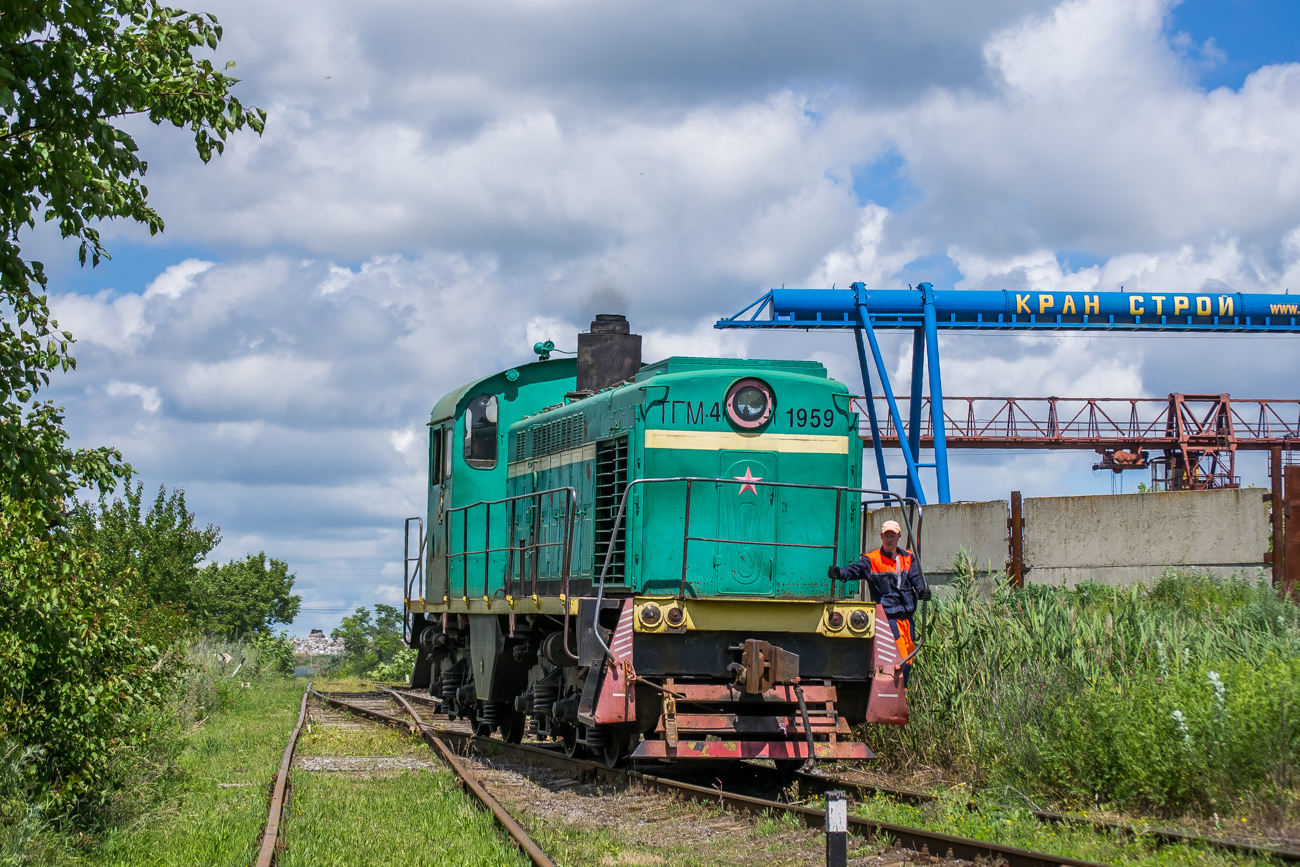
x: 926, y: 310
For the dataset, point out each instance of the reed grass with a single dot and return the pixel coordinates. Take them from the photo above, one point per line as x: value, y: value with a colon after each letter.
x: 1184, y: 694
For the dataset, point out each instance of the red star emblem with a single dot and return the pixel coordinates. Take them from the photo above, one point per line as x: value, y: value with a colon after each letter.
x: 747, y: 481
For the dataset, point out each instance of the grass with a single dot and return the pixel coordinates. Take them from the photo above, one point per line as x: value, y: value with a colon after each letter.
x: 337, y: 820
x: 213, y: 811
x: 1183, y: 697
x: 1018, y: 827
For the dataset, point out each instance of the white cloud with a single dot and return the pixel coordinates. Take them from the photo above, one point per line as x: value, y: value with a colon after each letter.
x: 178, y: 278
x: 422, y: 209
x: 148, y: 395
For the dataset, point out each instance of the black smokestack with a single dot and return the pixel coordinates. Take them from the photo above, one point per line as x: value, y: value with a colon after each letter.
x: 608, y: 354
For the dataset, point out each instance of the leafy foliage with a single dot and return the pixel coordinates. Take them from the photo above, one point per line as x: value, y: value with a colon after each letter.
x: 86, y: 657
x: 399, y: 669
x: 83, y: 656
x: 275, y: 653
x: 370, y: 643
x: 69, y: 71
x: 244, y: 597
x: 163, y: 545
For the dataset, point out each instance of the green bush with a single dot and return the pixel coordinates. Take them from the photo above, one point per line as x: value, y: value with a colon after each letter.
x: 1180, y: 695
x: 369, y: 644
x: 84, y: 660
x: 399, y: 669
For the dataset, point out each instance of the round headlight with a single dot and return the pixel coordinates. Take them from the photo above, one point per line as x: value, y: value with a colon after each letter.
x: 650, y: 614
x: 858, y: 620
x: 835, y: 619
x: 749, y: 403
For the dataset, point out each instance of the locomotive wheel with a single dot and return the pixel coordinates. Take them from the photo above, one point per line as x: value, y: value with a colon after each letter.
x: 513, y: 726
x: 570, y: 741
x: 479, y: 726
x: 612, y: 753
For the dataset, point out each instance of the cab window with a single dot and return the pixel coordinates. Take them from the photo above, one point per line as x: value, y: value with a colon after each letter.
x: 448, y: 440
x: 435, y: 456
x: 481, y: 432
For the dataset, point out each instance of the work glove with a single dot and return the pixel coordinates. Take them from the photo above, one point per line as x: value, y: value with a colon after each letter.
x: 925, y: 593
x: 834, y: 572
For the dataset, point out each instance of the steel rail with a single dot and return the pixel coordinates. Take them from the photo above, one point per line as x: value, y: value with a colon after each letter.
x: 271, y: 834
x: 516, y: 831
x: 917, y: 839
x: 513, y: 828
x: 1164, y: 836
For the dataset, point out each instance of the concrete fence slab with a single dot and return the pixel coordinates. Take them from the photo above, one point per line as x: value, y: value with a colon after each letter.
x: 1122, y: 538
x: 1114, y: 539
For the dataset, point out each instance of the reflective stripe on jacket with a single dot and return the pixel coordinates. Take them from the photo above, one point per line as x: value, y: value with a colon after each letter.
x: 894, y: 582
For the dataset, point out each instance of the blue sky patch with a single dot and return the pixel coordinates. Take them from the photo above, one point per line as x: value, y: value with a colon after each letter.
x: 132, y: 268
x: 884, y: 182
x: 1077, y: 260
x: 936, y: 269
x: 1251, y: 33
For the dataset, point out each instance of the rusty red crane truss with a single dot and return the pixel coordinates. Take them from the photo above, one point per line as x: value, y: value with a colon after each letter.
x: 1198, y: 435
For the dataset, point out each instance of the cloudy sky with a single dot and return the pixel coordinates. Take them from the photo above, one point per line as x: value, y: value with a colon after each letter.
x: 441, y: 184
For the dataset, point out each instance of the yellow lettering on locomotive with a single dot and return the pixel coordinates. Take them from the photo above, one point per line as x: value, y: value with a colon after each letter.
x: 1133, y: 307
x: 1022, y: 304
x: 1044, y: 302
x: 1202, y: 305
x: 1092, y: 305
x: 1180, y: 304
x: 1160, y: 303
x: 1068, y: 307
x: 1225, y: 305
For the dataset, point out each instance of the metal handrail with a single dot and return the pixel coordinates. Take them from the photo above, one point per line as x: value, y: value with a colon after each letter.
x: 487, y: 550
x: 409, y: 577
x: 907, y: 505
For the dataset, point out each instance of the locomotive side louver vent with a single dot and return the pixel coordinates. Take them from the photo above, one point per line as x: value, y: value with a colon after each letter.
x: 521, y: 443
x: 556, y: 436
x: 611, y: 479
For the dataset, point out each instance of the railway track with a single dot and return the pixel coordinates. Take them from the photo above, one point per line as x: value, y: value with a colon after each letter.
x: 1164, y: 836
x: 822, y: 783
x: 447, y: 742
x: 271, y: 841
x: 917, y: 839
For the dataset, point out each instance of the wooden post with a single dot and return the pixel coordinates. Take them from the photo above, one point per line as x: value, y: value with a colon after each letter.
x: 1016, y: 537
x: 1291, y: 531
x: 1277, y: 507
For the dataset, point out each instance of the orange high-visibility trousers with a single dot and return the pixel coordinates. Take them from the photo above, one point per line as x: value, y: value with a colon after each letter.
x: 902, y: 630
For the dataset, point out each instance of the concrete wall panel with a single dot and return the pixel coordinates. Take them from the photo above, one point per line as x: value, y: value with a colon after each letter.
x: 1121, y: 538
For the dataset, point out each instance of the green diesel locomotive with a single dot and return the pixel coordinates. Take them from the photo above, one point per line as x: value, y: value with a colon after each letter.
x: 632, y: 559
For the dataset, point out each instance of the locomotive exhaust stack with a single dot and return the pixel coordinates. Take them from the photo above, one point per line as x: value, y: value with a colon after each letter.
x: 607, y: 354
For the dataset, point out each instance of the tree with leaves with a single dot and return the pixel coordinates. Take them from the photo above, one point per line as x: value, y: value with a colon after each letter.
x: 163, y: 549
x: 244, y: 597
x: 162, y: 545
x: 368, y: 643
x: 83, y: 655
